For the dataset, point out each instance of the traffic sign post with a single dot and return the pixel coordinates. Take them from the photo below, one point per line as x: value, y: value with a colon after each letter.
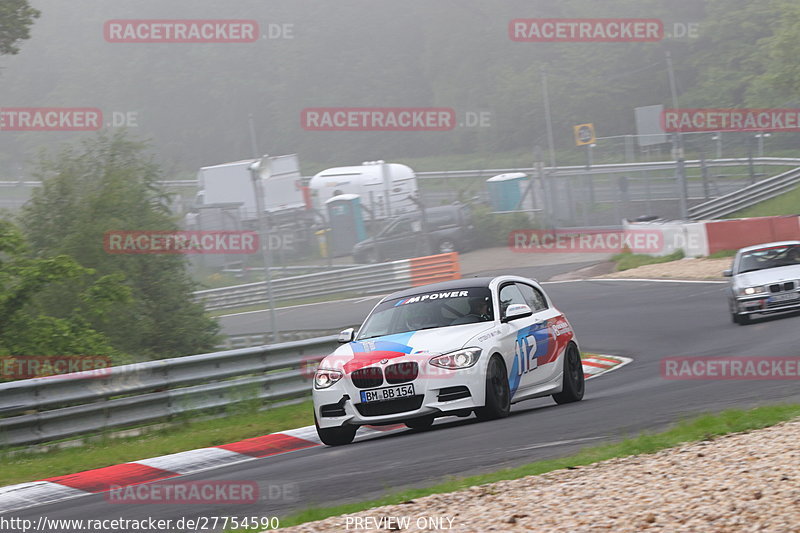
x: 584, y: 134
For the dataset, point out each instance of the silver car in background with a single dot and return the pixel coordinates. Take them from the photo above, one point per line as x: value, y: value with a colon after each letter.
x: 766, y: 279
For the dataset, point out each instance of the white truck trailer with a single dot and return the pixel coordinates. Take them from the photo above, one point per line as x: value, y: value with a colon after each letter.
x: 384, y: 188
x: 231, y: 183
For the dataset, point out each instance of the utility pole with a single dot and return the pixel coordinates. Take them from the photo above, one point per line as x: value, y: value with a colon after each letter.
x: 548, y: 119
x: 677, y: 145
x: 258, y: 170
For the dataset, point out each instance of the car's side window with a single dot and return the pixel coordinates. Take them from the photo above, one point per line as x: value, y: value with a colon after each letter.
x: 510, y: 294
x: 533, y: 297
x: 401, y: 228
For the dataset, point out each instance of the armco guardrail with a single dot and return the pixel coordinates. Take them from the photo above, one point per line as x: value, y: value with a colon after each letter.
x: 746, y: 197
x: 247, y: 340
x: 561, y: 171
x: 45, y: 409
x: 366, y: 279
x: 612, y: 168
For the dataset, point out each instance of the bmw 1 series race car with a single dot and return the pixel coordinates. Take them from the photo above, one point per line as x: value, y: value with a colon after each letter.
x: 473, y: 345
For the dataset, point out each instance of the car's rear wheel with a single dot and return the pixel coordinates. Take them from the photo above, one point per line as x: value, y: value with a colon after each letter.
x: 336, y: 436
x: 498, y: 394
x: 573, y: 384
x: 423, y: 422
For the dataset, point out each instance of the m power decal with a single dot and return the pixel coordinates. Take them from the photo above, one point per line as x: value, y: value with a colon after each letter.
x: 432, y: 296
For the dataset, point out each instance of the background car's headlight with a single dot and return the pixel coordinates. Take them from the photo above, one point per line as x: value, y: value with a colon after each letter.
x: 459, y: 359
x: 749, y: 291
x: 325, y: 378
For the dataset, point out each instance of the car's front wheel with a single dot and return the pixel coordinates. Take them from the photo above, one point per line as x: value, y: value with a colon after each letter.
x: 573, y: 384
x: 742, y: 320
x: 336, y: 436
x: 498, y: 394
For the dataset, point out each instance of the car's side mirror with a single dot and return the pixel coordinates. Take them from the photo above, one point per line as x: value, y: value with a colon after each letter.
x: 516, y: 311
x: 347, y: 335
x: 728, y: 273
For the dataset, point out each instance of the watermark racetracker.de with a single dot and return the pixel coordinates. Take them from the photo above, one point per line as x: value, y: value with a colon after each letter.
x: 727, y: 368
x: 390, y: 119
x: 586, y: 30
x: 691, y: 120
x: 180, y: 31
x: 586, y: 240
x: 64, y: 119
x: 14, y: 367
x: 243, y: 492
x: 181, y: 242
x: 378, y: 119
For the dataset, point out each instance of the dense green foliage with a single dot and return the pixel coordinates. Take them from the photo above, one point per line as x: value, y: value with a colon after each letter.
x: 16, y: 18
x: 29, y: 325
x: 109, y: 183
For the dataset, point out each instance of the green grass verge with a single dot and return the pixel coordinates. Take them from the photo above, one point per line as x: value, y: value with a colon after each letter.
x: 785, y: 204
x: 722, y: 253
x: 24, y: 466
x: 187, y: 435
x: 703, y: 427
x: 627, y: 260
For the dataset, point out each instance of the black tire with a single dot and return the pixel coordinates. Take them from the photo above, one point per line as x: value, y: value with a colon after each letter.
x: 573, y: 384
x: 336, y: 436
x: 735, y: 318
x: 423, y: 422
x: 498, y: 394
x: 742, y: 320
x: 446, y: 246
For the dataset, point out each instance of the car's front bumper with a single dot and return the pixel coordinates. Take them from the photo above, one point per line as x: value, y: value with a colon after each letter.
x: 436, y: 391
x: 765, y: 303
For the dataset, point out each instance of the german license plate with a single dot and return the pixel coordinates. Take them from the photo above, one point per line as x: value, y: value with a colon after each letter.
x: 389, y: 393
x: 785, y: 297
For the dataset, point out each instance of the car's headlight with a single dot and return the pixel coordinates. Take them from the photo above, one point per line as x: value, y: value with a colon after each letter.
x: 459, y: 359
x: 749, y: 291
x: 325, y: 378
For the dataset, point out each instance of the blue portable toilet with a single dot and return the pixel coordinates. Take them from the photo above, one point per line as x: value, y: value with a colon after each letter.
x: 347, y: 223
x: 505, y: 190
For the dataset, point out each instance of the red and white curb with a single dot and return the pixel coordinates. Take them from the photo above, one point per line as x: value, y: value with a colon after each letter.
x: 595, y: 365
x: 60, y: 488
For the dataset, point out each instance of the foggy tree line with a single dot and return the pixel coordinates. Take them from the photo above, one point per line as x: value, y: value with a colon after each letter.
x: 193, y: 100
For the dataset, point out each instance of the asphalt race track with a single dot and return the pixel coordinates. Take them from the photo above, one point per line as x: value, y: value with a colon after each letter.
x: 335, y: 315
x: 643, y: 320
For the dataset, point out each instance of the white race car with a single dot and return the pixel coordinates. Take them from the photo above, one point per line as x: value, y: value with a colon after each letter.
x: 451, y: 348
x: 766, y: 279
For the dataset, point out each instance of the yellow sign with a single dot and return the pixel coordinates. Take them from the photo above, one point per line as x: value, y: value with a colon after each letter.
x: 584, y: 134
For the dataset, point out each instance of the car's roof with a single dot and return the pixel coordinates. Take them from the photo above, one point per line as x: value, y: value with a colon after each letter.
x: 768, y: 245
x: 462, y: 283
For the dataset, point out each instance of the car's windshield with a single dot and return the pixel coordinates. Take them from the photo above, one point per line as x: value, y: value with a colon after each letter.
x: 427, y: 310
x: 772, y: 257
